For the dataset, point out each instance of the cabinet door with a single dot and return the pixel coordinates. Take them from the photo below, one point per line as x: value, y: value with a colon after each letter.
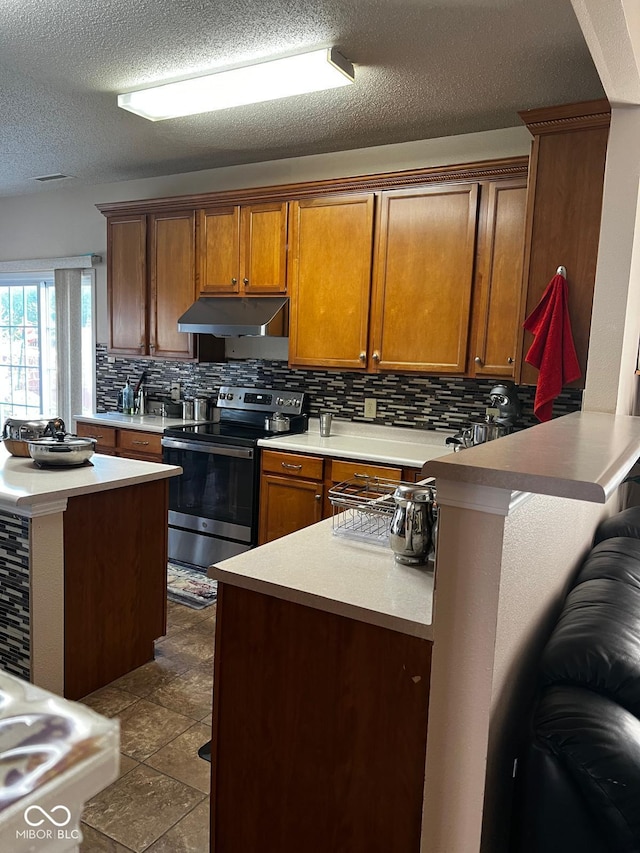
x: 172, y: 282
x: 499, y: 279
x: 287, y: 504
x: 127, y: 284
x: 219, y: 250
x: 563, y: 222
x: 423, y: 279
x: 330, y: 280
x: 263, y: 248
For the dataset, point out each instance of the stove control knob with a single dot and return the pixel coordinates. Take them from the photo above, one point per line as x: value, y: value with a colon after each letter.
x: 229, y: 396
x: 279, y: 401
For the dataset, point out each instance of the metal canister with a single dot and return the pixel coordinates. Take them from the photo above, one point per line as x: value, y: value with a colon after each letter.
x: 201, y: 409
x: 187, y: 410
x: 411, y: 524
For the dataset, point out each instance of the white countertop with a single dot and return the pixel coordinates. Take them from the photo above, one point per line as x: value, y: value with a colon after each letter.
x: 347, y: 577
x: 149, y: 423
x: 369, y: 442
x: 28, y: 490
x: 584, y: 455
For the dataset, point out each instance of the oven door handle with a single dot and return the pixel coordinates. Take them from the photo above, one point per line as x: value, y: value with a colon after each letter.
x: 203, y: 447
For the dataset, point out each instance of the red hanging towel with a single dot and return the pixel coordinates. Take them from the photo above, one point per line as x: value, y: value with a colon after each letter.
x: 552, y: 351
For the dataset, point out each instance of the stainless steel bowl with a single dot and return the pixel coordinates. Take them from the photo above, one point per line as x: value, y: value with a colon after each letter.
x: 61, y: 451
x: 277, y: 422
x: 17, y: 432
x: 23, y: 429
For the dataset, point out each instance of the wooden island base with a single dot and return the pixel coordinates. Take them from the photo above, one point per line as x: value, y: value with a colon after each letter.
x: 115, y: 561
x: 319, y: 730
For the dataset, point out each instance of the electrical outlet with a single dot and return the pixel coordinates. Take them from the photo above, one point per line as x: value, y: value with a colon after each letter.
x: 370, y: 406
x: 174, y: 392
x: 111, y: 359
x: 490, y: 412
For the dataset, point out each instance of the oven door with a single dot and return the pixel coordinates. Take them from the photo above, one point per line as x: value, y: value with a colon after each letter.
x: 214, y: 499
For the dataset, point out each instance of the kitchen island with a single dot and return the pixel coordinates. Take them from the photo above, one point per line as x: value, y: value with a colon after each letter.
x: 83, y: 555
x: 300, y: 685
x: 322, y: 680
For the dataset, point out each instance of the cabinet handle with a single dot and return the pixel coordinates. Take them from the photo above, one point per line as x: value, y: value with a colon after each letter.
x: 143, y: 443
x: 245, y: 281
x: 478, y: 360
x: 376, y: 356
x: 363, y: 356
x: 234, y: 281
x: 509, y: 360
x: 360, y: 476
x: 318, y: 497
x: 293, y: 467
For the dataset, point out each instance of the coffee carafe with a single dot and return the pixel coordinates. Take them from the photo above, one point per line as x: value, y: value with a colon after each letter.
x: 412, y: 523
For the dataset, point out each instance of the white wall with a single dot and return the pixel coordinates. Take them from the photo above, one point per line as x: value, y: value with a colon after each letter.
x: 61, y: 222
x: 498, y: 588
x: 612, y: 31
x: 615, y: 325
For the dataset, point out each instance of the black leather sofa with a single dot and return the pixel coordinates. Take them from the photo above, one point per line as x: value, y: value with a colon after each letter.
x: 578, y: 782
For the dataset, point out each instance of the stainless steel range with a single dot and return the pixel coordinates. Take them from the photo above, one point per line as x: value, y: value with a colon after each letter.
x: 213, y: 506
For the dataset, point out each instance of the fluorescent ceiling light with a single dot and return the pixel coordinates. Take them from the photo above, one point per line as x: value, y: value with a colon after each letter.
x: 251, y: 84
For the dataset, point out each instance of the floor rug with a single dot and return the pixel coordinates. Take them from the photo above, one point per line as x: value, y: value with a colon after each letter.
x: 189, y: 586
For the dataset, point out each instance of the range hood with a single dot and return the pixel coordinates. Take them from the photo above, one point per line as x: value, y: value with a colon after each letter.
x: 231, y: 316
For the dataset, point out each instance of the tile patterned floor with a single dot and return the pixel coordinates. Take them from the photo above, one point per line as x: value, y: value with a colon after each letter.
x: 160, y: 803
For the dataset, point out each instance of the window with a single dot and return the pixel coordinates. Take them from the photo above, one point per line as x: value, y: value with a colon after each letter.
x: 38, y: 341
x: 27, y: 346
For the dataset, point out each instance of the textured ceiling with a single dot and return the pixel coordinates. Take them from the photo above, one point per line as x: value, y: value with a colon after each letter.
x: 424, y: 68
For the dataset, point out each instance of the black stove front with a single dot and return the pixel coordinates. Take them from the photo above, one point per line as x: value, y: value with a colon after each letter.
x: 213, y: 506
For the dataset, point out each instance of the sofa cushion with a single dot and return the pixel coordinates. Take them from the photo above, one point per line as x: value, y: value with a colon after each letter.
x: 598, y: 744
x: 615, y: 559
x: 596, y: 641
x: 625, y: 523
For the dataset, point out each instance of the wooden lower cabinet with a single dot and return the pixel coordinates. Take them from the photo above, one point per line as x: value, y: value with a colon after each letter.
x: 294, y: 488
x: 115, y: 582
x: 129, y: 443
x: 319, y: 730
x: 291, y: 493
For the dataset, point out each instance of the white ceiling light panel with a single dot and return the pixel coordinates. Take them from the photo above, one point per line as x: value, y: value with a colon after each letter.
x: 251, y: 84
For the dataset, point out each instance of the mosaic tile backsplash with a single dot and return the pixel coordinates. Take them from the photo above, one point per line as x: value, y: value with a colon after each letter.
x: 421, y: 402
x: 15, y: 632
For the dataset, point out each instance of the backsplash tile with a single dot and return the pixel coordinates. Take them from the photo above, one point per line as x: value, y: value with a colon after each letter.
x: 421, y: 402
x: 15, y: 631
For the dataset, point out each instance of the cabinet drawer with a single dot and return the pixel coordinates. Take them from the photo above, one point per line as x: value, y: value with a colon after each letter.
x: 141, y: 442
x: 292, y: 464
x: 105, y: 435
x: 341, y: 470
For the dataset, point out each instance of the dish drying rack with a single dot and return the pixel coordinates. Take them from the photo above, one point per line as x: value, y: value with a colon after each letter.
x: 363, y: 508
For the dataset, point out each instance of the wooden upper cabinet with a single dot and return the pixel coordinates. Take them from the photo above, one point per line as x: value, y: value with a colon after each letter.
x: 494, y: 338
x: 243, y: 249
x: 563, y: 214
x: 127, y: 280
x: 330, y: 280
x: 172, y: 282
x: 219, y: 250
x: 423, y: 279
x: 263, y: 248
x: 150, y: 283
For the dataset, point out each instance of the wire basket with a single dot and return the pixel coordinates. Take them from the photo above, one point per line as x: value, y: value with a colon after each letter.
x: 363, y: 508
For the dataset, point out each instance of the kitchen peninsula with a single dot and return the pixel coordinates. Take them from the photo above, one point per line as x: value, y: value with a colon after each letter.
x: 83, y: 556
x: 322, y: 696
